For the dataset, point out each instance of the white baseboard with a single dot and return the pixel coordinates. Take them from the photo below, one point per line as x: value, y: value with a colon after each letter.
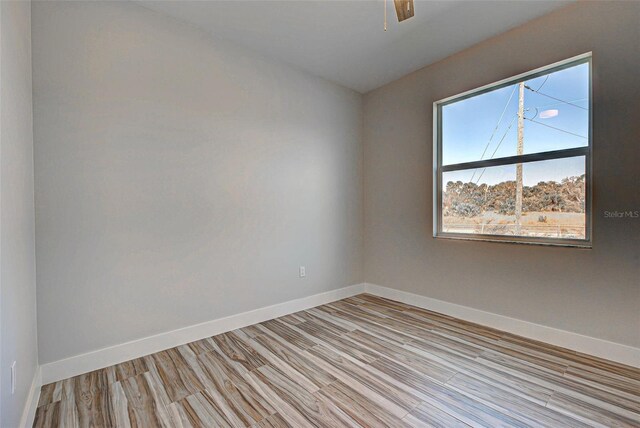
x: 30, y: 406
x: 73, y: 366
x: 589, y: 345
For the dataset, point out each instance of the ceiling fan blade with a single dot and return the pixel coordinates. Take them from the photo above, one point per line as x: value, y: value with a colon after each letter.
x: 404, y: 9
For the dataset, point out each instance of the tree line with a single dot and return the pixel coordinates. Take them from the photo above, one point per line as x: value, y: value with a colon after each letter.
x: 471, y: 199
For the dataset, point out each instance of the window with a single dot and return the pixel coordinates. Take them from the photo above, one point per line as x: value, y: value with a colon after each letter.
x: 512, y: 160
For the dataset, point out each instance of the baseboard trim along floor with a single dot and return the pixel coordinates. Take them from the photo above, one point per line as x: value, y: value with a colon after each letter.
x: 361, y: 361
x: 73, y: 366
x: 101, y: 358
x: 576, y: 342
x: 29, y: 411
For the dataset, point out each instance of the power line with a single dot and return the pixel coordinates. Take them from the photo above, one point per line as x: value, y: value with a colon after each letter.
x: 545, y: 81
x: 496, y: 128
x: 499, y: 121
x: 508, y: 128
x: 554, y: 98
x: 497, y: 147
x: 555, y: 104
x: 529, y: 119
x: 557, y: 129
x: 505, y: 134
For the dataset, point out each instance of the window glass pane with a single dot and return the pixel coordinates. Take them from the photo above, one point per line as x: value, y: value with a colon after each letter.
x: 484, y: 200
x: 485, y: 126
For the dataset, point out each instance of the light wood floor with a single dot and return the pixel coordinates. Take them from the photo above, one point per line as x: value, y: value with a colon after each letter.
x: 363, y: 361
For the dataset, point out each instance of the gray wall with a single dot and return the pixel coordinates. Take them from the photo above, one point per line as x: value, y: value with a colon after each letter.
x: 17, y: 249
x: 180, y: 179
x: 593, y: 292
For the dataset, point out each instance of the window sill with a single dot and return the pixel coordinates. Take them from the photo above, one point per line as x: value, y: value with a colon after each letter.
x: 573, y: 243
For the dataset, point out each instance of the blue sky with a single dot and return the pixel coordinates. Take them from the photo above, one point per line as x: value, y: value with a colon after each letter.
x: 468, y: 125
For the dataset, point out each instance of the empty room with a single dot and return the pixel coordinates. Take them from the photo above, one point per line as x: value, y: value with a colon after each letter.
x: 319, y: 213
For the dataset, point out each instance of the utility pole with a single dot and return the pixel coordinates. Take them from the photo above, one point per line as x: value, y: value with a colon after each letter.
x: 520, y: 150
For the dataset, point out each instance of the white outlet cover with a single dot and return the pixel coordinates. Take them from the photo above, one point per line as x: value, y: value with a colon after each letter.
x: 303, y: 272
x: 13, y: 377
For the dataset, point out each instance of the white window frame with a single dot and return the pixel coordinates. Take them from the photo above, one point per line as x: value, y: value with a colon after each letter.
x: 438, y: 168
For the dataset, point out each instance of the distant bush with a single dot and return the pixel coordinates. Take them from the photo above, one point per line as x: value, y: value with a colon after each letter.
x: 464, y: 209
x: 470, y: 199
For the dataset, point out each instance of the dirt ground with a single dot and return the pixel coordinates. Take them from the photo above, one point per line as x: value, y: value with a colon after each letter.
x: 555, y: 224
x: 530, y: 218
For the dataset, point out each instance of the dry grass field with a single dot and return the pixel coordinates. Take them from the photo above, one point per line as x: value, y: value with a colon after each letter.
x: 538, y: 223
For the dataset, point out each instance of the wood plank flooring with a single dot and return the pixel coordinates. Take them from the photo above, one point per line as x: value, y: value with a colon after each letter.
x: 359, y: 362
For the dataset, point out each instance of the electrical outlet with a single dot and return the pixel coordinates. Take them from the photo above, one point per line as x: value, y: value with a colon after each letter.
x: 13, y: 377
x: 303, y: 271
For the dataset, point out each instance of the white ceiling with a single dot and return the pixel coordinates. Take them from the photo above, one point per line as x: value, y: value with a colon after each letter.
x: 344, y: 41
